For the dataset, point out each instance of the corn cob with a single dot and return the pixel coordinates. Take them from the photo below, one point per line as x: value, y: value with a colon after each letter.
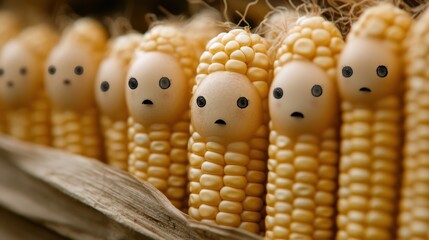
x: 110, y: 96
x: 159, y: 122
x: 414, y: 206
x: 304, y: 133
x: 369, y: 84
x: 9, y: 28
x: 22, y: 91
x: 228, y: 156
x: 69, y: 79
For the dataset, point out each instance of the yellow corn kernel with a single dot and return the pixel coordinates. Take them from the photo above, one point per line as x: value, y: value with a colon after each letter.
x: 413, y: 215
x: 28, y: 109
x: 69, y: 80
x: 371, y: 126
x: 227, y: 177
x: 302, y: 163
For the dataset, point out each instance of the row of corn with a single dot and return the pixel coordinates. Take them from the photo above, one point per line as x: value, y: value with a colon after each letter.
x: 324, y: 139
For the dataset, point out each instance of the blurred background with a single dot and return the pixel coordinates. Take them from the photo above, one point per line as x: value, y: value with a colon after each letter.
x: 139, y: 11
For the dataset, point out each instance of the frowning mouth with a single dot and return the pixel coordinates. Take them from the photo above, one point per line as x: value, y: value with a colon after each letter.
x: 67, y: 82
x: 297, y: 115
x: 220, y: 122
x: 365, y: 89
x: 147, y: 102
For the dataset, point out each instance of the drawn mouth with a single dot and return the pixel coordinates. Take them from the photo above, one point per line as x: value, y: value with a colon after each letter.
x: 365, y: 89
x: 147, y: 102
x: 9, y: 83
x: 297, y: 115
x: 220, y: 122
x: 67, y: 82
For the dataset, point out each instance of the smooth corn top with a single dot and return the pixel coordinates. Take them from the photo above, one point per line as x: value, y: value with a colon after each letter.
x: 312, y: 39
x: 169, y: 39
x: 383, y: 22
x: 39, y: 39
x: 202, y: 27
x: 9, y: 27
x: 123, y: 47
x: 88, y: 32
x: 237, y: 51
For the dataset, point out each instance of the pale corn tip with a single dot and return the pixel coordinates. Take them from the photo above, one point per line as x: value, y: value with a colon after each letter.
x: 384, y: 22
x: 313, y: 39
x: 237, y: 51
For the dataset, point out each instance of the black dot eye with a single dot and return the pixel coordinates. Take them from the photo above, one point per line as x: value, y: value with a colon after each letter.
x: 278, y: 93
x: 78, y: 70
x: 132, y: 83
x: 201, y: 101
x: 23, y: 70
x: 51, y: 70
x: 316, y: 91
x: 347, y: 71
x: 382, y: 71
x: 1, y: 71
x: 242, y: 102
x: 164, y: 83
x: 104, y: 86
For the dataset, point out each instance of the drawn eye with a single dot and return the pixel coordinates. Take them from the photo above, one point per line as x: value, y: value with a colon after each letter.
x: 317, y: 91
x: 132, y: 83
x: 164, y: 83
x: 52, y: 70
x: 23, y: 71
x: 278, y: 93
x: 104, y: 86
x: 347, y: 71
x: 78, y: 70
x: 242, y: 102
x: 382, y: 71
x: 201, y: 101
x: 1, y: 71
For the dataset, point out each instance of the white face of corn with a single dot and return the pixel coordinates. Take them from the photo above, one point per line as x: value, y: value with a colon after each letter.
x: 70, y: 77
x: 370, y: 71
x: 156, y: 89
x: 302, y: 100
x: 21, y: 77
x: 226, y: 107
x: 110, y: 88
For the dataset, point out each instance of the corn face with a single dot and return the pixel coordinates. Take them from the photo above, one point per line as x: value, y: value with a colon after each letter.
x: 72, y: 67
x: 110, y: 97
x: 9, y: 28
x: 227, y: 155
x: 413, y: 218
x: 159, y: 124
x: 22, y: 90
x: 303, y: 147
x: 369, y: 83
